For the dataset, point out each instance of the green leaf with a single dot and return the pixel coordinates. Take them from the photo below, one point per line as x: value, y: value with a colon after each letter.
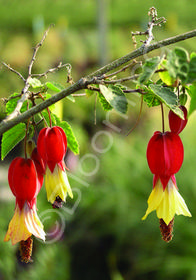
x: 115, y: 97
x: 57, y: 88
x: 149, y: 97
x: 177, y: 63
x: 192, y: 70
x: 106, y: 106
x: 89, y: 92
x: 149, y: 68
x: 165, y: 77
x: 167, y: 96
x: 193, y: 54
x: 72, y: 142
x: 54, y: 86
x: 192, y: 92
x: 11, y: 138
x: 34, y: 83
x: 11, y: 104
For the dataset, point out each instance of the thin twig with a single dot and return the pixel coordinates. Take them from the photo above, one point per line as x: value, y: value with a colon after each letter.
x: 134, y: 77
x: 134, y: 90
x: 5, y: 100
x: 25, y: 93
x: 20, y: 102
x: 118, y: 71
x: 78, y: 94
x: 36, y: 50
x: 52, y: 70
x: 13, y: 70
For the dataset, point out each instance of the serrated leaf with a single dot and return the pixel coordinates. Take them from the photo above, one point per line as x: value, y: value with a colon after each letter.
x: 11, y: 138
x: 105, y: 105
x: 57, y: 88
x: 72, y: 142
x: 177, y: 63
x: 115, y: 97
x: 11, y: 104
x: 192, y: 70
x: 34, y: 83
x: 148, y: 69
x: 167, y: 96
x: 192, y: 92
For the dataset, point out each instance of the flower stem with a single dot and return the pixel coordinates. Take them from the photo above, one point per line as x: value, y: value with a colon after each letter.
x: 163, y: 123
x: 25, y: 139
x: 138, y: 119
x: 49, y: 115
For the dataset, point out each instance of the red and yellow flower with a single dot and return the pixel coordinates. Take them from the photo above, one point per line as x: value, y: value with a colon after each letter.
x: 25, y: 185
x: 52, y: 147
x: 165, y: 155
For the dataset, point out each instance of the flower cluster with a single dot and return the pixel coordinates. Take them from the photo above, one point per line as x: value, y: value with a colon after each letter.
x: 165, y: 154
x: 26, y: 176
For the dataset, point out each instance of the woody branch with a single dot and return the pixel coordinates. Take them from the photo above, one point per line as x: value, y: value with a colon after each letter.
x: 93, y: 78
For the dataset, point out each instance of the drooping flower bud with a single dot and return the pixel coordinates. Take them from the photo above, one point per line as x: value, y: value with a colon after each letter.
x: 165, y: 155
x: 52, y: 146
x: 177, y: 124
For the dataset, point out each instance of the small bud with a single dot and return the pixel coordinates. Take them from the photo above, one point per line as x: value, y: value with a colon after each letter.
x: 177, y: 124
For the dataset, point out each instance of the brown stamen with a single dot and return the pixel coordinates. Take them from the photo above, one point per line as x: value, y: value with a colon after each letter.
x: 58, y: 203
x: 26, y: 250
x: 166, y: 230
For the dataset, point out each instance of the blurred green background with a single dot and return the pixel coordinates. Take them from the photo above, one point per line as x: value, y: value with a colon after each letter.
x: 98, y: 235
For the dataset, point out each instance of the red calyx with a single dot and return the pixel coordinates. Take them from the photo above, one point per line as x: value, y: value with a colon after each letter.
x: 177, y: 124
x: 52, y: 146
x: 23, y: 181
x: 165, y: 154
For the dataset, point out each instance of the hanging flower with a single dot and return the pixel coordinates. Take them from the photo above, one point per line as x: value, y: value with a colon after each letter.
x: 24, y: 184
x: 165, y: 155
x: 52, y: 146
x: 177, y: 124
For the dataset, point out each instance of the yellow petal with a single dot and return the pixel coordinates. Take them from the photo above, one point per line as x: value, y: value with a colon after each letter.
x: 57, y: 184
x: 65, y: 182
x: 154, y: 199
x: 180, y: 206
x: 24, y: 223
x: 166, y: 209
